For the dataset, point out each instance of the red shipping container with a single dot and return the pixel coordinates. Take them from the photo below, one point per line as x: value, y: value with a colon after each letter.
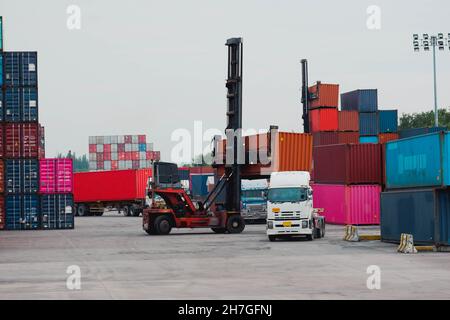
x: 100, y: 165
x: 156, y: 155
x: 92, y: 148
x: 149, y: 155
x: 348, y: 121
x: 2, y: 146
x: 100, y: 156
x: 323, y: 120
x: 325, y: 138
x: 121, y: 147
x: 135, y: 164
x: 142, y: 138
x: 135, y: 155
x: 106, y: 148
x: 386, y: 137
x: 30, y: 140
x: 41, y: 142
x: 348, y: 164
x: 122, y: 156
x: 106, y: 156
x: 128, y: 155
x: 128, y: 139
x: 117, y: 185
x: 324, y: 95
x: 2, y: 176
x: 2, y: 213
x: 12, y: 140
x: 114, y: 165
x: 348, y: 137
x: 201, y: 170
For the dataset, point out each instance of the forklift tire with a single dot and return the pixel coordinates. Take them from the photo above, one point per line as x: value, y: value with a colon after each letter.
x: 162, y: 225
x: 235, y: 224
x: 82, y: 210
x: 219, y: 230
x: 272, y: 238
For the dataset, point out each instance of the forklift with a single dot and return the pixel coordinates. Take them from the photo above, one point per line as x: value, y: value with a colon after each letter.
x: 180, y: 211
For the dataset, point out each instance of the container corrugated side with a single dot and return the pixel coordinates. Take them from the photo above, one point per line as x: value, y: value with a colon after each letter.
x: 64, y: 175
x: 386, y: 137
x: 57, y: 211
x: 325, y: 138
x: 424, y: 213
x: 323, y: 119
x: 354, y: 204
x: 362, y: 100
x: 368, y: 124
x: 2, y: 213
x: 388, y: 121
x: 348, y: 121
x: 47, y: 176
x: 408, y: 133
x: 324, y: 95
x: 348, y: 137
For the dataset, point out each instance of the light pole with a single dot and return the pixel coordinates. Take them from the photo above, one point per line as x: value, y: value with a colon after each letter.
x: 433, y: 41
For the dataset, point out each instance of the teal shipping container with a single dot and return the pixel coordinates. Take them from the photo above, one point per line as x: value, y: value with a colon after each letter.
x: 424, y: 213
x: 368, y: 139
x: 387, y: 121
x: 421, y: 161
x: 1, y: 69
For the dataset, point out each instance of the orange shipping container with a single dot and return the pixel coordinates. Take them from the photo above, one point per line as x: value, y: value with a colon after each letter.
x: 348, y: 121
x: 289, y: 152
x: 324, y: 95
x: 386, y: 137
x: 323, y: 120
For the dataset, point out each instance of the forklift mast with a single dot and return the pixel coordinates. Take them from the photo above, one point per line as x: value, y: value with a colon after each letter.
x: 305, y: 96
x: 234, y: 121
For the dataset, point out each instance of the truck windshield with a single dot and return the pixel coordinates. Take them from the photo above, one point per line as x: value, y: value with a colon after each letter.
x: 253, y: 193
x: 288, y: 194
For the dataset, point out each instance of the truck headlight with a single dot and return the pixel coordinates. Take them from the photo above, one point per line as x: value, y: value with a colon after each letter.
x: 305, y: 224
x: 269, y: 224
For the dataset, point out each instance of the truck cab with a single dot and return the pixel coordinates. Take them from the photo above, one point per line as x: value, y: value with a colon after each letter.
x: 290, y: 210
x: 254, y: 199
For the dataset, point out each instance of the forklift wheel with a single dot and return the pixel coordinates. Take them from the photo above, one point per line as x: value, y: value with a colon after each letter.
x: 219, y: 230
x: 272, y: 238
x: 235, y: 224
x: 162, y: 225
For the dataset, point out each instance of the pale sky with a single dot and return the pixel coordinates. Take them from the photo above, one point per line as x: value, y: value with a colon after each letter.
x: 152, y: 67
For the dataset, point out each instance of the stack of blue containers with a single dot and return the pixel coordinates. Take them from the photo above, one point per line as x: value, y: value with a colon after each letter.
x: 417, y: 197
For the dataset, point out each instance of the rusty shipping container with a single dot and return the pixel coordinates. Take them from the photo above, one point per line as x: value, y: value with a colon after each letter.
x: 12, y: 140
x: 323, y: 120
x: 386, y: 137
x: 288, y: 152
x: 348, y: 137
x: 348, y: 121
x: 348, y: 164
x: 30, y: 140
x: 2, y: 176
x: 337, y: 137
x: 2, y: 144
x: 323, y: 95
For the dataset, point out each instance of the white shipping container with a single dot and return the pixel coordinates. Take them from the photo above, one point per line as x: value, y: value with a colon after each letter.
x: 114, y: 147
x: 107, y: 140
x: 99, y: 147
x: 135, y: 139
x: 107, y: 165
x: 92, y: 140
x: 128, y: 164
x: 100, y: 140
x: 121, y: 139
x: 92, y: 156
x: 150, y: 146
x: 114, y: 139
x: 128, y: 147
x: 149, y: 163
x: 142, y: 164
x: 92, y: 165
x: 135, y: 147
x: 142, y: 155
x: 122, y: 164
x: 114, y: 156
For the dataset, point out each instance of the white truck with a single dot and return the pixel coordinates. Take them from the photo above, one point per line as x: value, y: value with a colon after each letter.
x: 290, y: 210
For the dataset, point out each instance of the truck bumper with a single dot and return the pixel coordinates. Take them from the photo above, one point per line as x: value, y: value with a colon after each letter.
x: 295, y: 229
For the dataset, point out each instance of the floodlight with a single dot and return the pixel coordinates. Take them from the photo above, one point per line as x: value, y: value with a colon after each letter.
x: 425, y: 36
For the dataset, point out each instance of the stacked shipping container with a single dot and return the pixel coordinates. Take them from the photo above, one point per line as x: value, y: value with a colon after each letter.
x: 120, y: 152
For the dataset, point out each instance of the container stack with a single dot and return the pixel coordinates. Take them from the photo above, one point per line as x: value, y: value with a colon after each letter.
x: 417, y: 199
x: 199, y: 180
x: 56, y: 190
x: 121, y: 153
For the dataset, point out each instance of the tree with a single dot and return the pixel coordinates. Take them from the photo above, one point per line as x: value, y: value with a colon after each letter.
x: 80, y: 164
x: 424, y: 119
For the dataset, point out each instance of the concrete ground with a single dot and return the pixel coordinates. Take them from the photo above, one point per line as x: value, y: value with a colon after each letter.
x: 118, y: 260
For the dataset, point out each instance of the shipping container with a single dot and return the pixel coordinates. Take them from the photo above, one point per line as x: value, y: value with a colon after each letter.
x: 110, y: 185
x: 420, y: 161
x: 323, y: 95
x: 198, y: 184
x: 386, y: 137
x: 2, y: 102
x: 323, y: 120
x: 288, y: 152
x: 20, y: 69
x: 22, y: 176
x: 348, y: 137
x: 1, y: 34
x: 368, y: 139
x: 30, y: 140
x: 408, y: 133
x: 2, y: 213
x: 424, y: 213
x: 92, y: 148
x: 348, y: 164
x: 183, y: 172
x: 337, y: 137
x: 348, y: 121
x: 12, y: 104
x: 348, y: 204
x: 2, y: 144
x: 142, y: 139
x: 11, y: 66
x: 368, y: 124
x: 29, y: 105
x: 365, y: 100
x: 56, y: 176
x: 388, y: 121
x: 41, y: 142
x: 22, y: 212
x: 57, y: 211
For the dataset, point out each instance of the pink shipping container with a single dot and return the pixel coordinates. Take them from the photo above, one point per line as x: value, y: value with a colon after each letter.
x: 56, y: 176
x: 353, y: 204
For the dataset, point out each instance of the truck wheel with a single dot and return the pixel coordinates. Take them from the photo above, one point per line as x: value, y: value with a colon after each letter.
x: 272, y: 238
x: 162, y: 225
x: 126, y: 211
x: 235, y: 224
x: 219, y: 230
x: 82, y: 210
x: 134, y: 211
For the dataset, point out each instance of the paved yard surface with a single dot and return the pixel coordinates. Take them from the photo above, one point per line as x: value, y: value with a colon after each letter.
x: 118, y: 260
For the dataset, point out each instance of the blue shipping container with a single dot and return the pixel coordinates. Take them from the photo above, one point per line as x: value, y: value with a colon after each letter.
x: 57, y: 211
x: 364, y: 100
x: 408, y: 133
x: 183, y: 174
x: 22, y: 176
x: 421, y: 161
x: 368, y: 139
x: 198, y: 185
x: 368, y: 124
x: 29, y: 104
x: 20, y: 68
x: 2, y: 103
x: 142, y: 147
x: 387, y: 121
x: 1, y: 69
x: 12, y: 104
x: 1, y: 33
x: 22, y: 212
x: 424, y: 213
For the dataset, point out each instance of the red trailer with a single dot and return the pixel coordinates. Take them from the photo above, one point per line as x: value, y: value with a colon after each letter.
x: 123, y: 190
